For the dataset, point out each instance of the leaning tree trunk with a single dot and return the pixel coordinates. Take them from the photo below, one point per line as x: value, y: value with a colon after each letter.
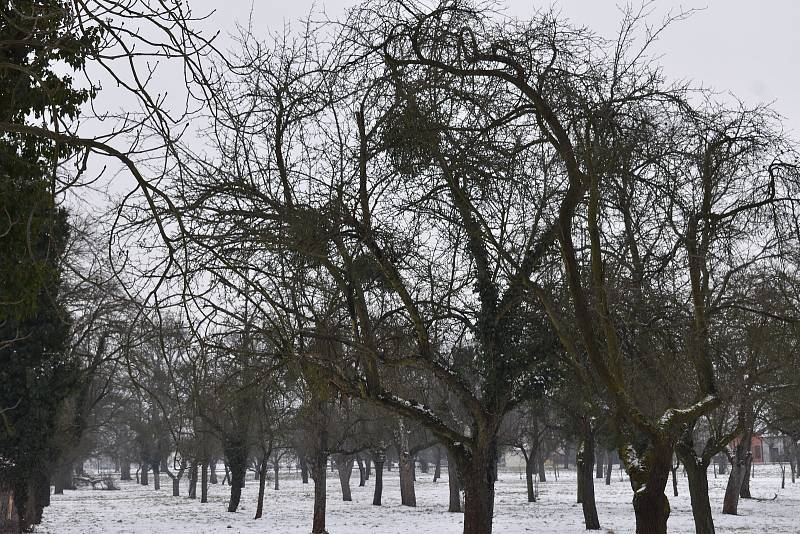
x: 379, y: 457
x: 344, y: 465
x: 262, y: 482
x: 730, y: 505
x: 697, y: 473
x: 744, y: 492
x: 585, y: 461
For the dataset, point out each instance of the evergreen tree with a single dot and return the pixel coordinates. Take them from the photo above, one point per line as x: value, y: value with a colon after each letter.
x: 37, y: 39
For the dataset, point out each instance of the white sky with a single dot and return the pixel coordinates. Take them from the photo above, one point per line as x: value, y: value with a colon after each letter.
x: 744, y: 47
x: 748, y: 47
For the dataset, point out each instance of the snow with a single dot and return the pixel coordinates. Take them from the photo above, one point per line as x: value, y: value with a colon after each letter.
x: 137, y: 509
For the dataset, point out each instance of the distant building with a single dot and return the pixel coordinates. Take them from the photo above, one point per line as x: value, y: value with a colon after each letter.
x: 766, y: 449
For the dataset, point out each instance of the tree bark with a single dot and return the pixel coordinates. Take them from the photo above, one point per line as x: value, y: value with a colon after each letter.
x: 744, y: 492
x: 367, y: 467
x: 598, y: 466
x: 193, y: 480
x: 675, y: 479
x: 236, y: 456
x: 157, y: 475
x: 262, y: 482
x: 454, y: 485
x: 730, y: 505
x: 303, y: 470
x: 585, y: 461
x: 204, y: 482
x: 697, y: 473
x: 529, y: 468
x: 437, y: 467
x: 361, y: 476
x: 344, y: 465
x: 379, y: 457
x: 143, y: 475
x: 276, y: 466
x: 478, y: 479
x: 542, y: 474
x: 319, y: 474
x: 212, y: 472
x: 408, y: 496
x: 650, y: 505
x: 609, y: 467
x: 125, y: 469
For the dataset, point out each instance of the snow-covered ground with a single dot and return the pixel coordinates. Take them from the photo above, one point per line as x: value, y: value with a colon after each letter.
x: 138, y: 509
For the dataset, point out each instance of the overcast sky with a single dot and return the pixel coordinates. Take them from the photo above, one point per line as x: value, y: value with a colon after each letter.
x: 746, y: 47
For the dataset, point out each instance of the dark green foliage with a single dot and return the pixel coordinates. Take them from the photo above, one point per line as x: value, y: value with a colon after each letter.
x: 34, y: 36
x: 38, y: 38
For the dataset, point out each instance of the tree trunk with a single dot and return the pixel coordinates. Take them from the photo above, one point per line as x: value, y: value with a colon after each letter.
x: 529, y: 468
x: 212, y: 472
x: 262, y: 482
x: 236, y: 456
x: 367, y: 467
x: 598, y: 466
x: 478, y: 479
x: 319, y: 474
x: 609, y: 467
x: 454, y: 485
x: 303, y: 470
x: 542, y: 474
x: 361, y: 476
x: 408, y: 496
x: 143, y: 475
x: 157, y: 475
x: 730, y: 505
x: 744, y: 492
x: 276, y: 467
x: 697, y: 473
x: 344, y: 465
x: 650, y: 505
x: 204, y: 482
x: 585, y: 461
x: 675, y: 479
x: 723, y: 464
x: 437, y: 467
x: 193, y: 480
x: 379, y: 458
x: 125, y: 469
